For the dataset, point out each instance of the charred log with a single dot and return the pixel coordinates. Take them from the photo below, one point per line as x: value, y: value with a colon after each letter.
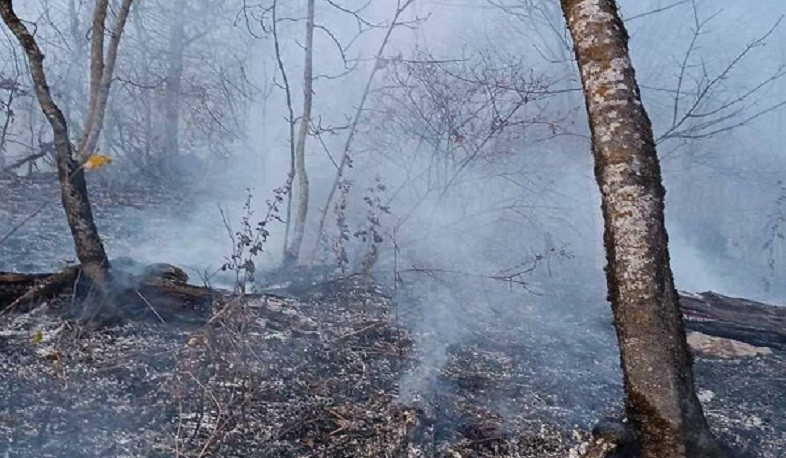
x: 155, y: 293
x: 159, y: 292
x: 17, y: 290
x: 735, y: 318
x: 166, y: 289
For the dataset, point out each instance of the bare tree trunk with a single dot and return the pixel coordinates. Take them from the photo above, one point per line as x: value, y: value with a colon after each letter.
x: 401, y: 6
x: 87, y: 242
x: 293, y: 252
x: 658, y: 369
x: 73, y: 97
x: 290, y: 122
x: 147, y: 114
x: 174, y: 80
x: 97, y: 51
x: 101, y: 83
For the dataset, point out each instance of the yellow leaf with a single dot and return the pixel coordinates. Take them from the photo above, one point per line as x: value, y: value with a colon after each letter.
x: 38, y: 336
x: 97, y: 161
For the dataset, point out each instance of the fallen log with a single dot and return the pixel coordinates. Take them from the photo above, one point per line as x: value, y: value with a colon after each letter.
x: 47, y: 287
x: 156, y: 292
x: 162, y: 292
x: 734, y: 318
x: 14, y: 286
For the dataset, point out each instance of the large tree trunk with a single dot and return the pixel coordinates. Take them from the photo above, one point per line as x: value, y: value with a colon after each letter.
x: 293, y: 252
x: 174, y: 80
x: 660, y: 397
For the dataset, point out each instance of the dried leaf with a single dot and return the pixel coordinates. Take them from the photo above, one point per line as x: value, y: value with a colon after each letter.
x: 97, y: 161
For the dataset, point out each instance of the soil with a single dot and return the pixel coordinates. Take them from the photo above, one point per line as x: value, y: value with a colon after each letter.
x: 322, y: 369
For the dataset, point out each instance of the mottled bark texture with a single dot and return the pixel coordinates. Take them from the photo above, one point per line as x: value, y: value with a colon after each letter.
x: 293, y: 252
x: 660, y: 398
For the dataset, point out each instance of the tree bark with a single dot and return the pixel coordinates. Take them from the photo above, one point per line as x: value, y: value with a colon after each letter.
x: 174, y: 80
x: 97, y: 50
x: 293, y: 253
x: 100, y: 83
x: 658, y: 369
x: 290, y: 121
x: 87, y: 243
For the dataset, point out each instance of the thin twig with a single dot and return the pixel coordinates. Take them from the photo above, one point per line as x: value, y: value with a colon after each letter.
x: 149, y: 305
x: 345, y: 156
x: 24, y: 221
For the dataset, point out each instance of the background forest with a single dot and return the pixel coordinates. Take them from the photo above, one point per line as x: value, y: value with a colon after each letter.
x: 439, y: 146
x: 470, y: 141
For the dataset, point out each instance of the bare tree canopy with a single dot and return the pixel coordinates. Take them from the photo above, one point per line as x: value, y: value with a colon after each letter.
x: 389, y: 228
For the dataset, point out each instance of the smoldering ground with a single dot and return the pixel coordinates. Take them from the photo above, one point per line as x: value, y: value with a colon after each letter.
x: 455, y: 234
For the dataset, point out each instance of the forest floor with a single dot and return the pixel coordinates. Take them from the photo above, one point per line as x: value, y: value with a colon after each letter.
x: 343, y: 373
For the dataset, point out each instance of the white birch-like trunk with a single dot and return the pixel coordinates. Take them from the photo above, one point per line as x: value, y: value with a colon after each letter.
x: 293, y: 252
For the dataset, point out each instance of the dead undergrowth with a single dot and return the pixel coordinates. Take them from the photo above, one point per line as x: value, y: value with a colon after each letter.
x: 334, y: 369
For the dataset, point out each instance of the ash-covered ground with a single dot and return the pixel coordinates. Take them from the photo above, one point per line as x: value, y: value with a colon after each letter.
x: 331, y: 369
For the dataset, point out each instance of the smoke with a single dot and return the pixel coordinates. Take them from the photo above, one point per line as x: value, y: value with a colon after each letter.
x: 460, y: 216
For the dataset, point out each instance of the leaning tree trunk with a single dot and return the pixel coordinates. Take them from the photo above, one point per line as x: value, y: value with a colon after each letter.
x: 293, y: 252
x: 73, y: 188
x: 658, y: 370
x: 87, y: 243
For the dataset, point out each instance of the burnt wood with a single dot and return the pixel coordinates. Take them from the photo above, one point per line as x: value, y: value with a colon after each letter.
x: 160, y: 292
x: 165, y: 288
x: 735, y: 318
